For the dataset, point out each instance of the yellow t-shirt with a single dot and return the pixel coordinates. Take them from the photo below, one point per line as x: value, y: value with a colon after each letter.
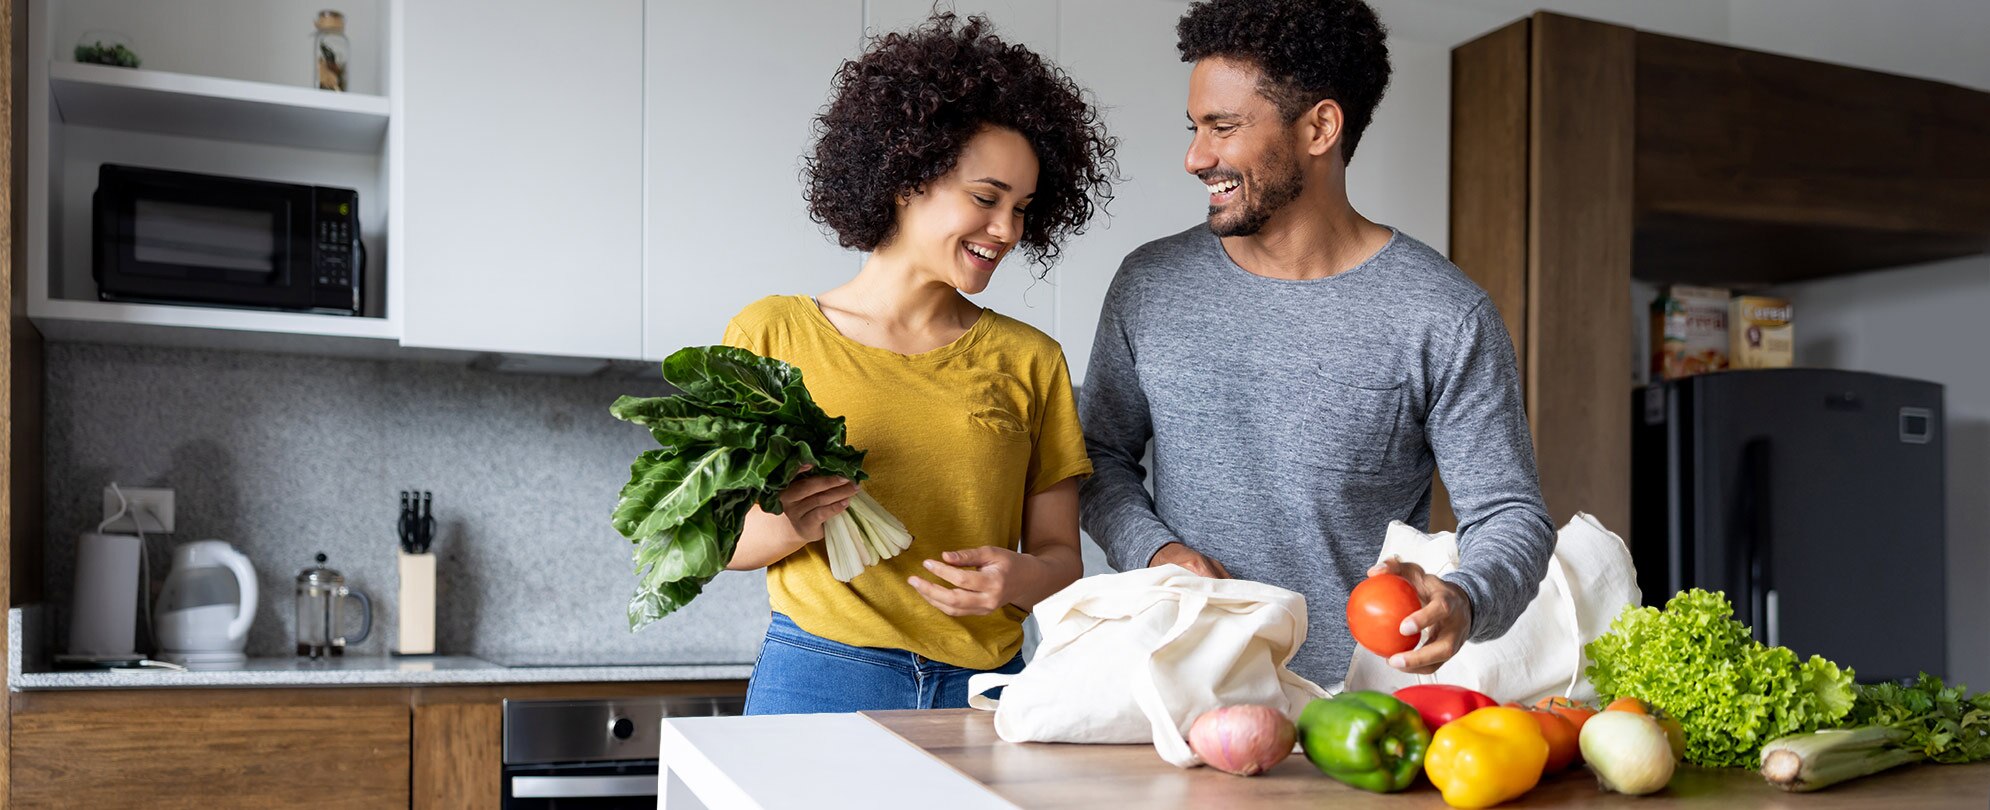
x: 955, y: 439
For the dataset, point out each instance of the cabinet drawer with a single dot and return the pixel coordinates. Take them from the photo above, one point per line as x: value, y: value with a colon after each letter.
x: 212, y: 756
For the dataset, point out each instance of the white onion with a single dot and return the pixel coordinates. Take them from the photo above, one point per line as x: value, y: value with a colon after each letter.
x: 1629, y: 752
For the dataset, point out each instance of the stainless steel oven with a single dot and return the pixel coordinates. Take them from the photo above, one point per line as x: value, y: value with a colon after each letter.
x: 594, y: 754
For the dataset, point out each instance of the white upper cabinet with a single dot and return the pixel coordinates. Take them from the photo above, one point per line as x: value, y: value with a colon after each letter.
x: 731, y: 93
x: 520, y: 148
x: 632, y: 177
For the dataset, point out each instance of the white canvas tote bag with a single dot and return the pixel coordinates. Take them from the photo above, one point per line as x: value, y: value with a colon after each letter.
x: 1135, y: 657
x: 1589, y: 582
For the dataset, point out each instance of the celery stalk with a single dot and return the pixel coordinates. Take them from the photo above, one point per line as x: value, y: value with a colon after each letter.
x: 1802, y: 762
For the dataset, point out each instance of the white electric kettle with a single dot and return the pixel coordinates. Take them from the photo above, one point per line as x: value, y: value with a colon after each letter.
x: 206, y: 606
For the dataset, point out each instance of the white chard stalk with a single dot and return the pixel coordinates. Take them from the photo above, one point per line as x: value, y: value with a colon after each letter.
x: 862, y: 536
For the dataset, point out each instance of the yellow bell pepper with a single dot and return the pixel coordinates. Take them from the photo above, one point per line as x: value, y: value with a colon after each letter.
x: 1487, y: 757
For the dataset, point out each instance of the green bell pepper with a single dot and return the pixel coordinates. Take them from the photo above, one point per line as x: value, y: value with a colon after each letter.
x: 1366, y: 739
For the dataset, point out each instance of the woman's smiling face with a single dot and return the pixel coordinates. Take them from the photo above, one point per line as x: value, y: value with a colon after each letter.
x: 958, y: 228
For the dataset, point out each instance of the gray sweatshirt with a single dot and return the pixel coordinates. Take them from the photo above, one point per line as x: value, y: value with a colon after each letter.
x: 1292, y: 420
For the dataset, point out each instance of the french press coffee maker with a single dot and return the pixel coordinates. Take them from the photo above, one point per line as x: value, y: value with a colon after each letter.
x: 321, y: 595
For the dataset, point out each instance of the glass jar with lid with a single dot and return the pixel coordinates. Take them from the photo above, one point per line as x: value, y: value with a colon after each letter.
x: 329, y: 50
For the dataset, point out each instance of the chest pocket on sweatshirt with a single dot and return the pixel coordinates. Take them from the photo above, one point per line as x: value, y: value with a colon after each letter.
x: 1354, y: 426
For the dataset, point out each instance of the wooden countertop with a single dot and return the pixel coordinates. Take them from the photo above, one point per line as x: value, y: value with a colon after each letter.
x: 1037, y: 775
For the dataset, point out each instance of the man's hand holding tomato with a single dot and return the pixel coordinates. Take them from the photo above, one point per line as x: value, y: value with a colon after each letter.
x: 1438, y: 606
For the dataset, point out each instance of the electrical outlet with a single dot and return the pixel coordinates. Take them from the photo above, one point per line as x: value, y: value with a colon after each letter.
x: 153, y: 506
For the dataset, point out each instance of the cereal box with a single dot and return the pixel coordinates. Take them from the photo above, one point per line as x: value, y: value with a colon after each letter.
x: 1689, y: 333
x: 1759, y: 332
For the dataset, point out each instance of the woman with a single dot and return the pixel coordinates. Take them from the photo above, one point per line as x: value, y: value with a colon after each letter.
x: 944, y: 150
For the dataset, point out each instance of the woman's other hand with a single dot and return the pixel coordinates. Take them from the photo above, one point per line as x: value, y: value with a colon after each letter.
x: 984, y: 579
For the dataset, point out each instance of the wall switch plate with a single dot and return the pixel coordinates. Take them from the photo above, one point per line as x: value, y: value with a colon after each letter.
x: 153, y: 506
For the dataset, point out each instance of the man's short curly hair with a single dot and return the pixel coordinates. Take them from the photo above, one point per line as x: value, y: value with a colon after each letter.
x: 1309, y: 50
x: 902, y: 113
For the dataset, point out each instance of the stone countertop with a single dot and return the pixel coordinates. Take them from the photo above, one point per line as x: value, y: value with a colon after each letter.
x: 447, y: 670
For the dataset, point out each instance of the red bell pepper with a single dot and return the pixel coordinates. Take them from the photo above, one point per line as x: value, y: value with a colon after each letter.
x: 1441, y: 703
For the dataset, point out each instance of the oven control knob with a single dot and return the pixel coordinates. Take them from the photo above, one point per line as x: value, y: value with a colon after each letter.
x: 622, y: 728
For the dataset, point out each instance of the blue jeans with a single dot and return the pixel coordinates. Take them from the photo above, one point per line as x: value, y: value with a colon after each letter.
x: 803, y: 673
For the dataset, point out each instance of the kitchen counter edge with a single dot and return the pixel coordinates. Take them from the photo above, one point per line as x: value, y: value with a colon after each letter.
x: 354, y: 671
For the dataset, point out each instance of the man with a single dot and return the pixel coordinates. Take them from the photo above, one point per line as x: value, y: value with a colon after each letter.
x: 1301, y: 370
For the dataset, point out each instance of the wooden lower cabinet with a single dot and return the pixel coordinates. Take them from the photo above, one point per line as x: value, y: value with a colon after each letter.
x: 219, y: 749
x: 427, y: 748
x: 459, y: 752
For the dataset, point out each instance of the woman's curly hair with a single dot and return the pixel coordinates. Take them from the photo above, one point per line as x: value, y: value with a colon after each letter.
x: 902, y: 113
x: 1308, y: 50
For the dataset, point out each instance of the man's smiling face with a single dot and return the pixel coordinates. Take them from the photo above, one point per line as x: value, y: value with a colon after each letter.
x: 1242, y: 147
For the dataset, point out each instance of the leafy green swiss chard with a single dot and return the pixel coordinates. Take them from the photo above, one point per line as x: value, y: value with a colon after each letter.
x: 741, y: 429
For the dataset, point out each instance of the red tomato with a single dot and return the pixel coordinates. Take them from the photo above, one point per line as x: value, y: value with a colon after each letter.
x: 1562, y: 738
x: 1376, y: 610
x: 1575, y: 711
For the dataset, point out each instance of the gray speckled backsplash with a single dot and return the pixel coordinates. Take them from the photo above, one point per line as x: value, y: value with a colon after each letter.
x: 286, y: 456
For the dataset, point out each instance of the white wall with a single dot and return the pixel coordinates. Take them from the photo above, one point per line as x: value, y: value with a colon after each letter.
x: 1400, y: 176
x: 1943, y: 40
x: 1453, y: 22
x: 1393, y: 179
x: 1929, y: 321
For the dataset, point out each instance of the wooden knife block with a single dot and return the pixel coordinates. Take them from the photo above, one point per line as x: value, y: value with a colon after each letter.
x: 417, y: 605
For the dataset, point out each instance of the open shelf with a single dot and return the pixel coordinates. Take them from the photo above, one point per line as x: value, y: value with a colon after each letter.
x: 302, y: 323
x: 118, y: 322
x: 225, y: 109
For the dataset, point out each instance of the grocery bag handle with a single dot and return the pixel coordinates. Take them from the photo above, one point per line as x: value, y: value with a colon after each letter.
x: 1168, y: 739
x: 979, y: 685
x: 1559, y: 575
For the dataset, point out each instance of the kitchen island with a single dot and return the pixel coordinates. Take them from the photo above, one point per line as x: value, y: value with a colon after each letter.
x: 963, y: 749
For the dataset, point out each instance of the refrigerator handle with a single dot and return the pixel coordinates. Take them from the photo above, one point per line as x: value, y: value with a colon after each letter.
x: 1762, y: 607
x: 1775, y: 621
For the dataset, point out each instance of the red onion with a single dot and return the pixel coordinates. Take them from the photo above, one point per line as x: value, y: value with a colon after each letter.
x: 1244, y: 740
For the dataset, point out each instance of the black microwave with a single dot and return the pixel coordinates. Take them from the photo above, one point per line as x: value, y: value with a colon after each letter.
x: 180, y: 237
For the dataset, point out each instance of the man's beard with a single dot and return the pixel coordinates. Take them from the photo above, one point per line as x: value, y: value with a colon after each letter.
x: 1270, y: 190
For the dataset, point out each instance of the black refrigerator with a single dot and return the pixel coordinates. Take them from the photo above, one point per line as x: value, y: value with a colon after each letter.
x: 1813, y: 497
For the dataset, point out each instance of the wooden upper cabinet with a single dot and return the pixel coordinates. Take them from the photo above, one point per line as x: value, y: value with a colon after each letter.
x: 1585, y: 154
x: 1541, y: 216
x: 1758, y: 168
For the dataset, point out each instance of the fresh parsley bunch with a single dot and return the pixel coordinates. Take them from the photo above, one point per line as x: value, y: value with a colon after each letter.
x: 1944, y: 723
